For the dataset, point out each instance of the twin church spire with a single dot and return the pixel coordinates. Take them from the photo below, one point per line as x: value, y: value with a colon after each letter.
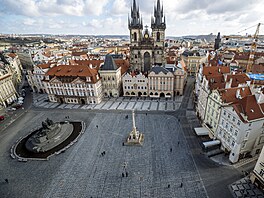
x: 135, y: 21
x: 157, y: 21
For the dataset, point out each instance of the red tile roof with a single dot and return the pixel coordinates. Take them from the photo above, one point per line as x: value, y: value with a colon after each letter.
x: 124, y: 64
x: 215, y: 70
x: 241, y: 56
x: 44, y: 66
x: 72, y: 70
x: 94, y: 63
x: 237, y: 79
x: 12, y: 55
x: 248, y: 107
x: 216, y: 81
x: 229, y: 95
x: 258, y: 69
x: 79, y: 53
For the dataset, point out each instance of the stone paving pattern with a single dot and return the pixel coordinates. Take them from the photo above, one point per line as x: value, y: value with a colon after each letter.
x: 82, y: 172
x: 244, y: 188
x: 41, y: 100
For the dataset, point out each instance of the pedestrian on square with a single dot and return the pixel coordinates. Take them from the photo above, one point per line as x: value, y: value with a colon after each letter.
x: 178, y: 142
x: 97, y: 126
x: 168, y: 185
x: 181, y: 184
x: 126, y: 174
x: 6, y: 180
x: 123, y: 175
x: 170, y: 149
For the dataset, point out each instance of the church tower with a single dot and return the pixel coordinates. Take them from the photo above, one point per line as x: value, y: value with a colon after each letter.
x: 146, y: 48
x: 217, y: 42
x: 135, y: 26
x: 158, y: 26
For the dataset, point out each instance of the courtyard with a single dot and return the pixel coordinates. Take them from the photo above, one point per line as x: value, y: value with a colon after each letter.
x: 162, y: 167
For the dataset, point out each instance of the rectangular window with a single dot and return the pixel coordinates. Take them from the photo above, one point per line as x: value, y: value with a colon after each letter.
x: 243, y: 144
x: 247, y: 134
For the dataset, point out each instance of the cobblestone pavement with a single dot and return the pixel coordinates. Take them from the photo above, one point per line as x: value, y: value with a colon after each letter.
x: 153, y: 169
x: 244, y: 188
x: 41, y: 100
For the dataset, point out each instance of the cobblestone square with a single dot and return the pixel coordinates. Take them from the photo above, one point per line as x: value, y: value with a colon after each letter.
x: 157, y: 169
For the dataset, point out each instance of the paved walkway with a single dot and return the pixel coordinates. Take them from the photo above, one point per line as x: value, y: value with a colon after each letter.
x: 160, y: 168
x: 41, y: 100
x: 244, y: 188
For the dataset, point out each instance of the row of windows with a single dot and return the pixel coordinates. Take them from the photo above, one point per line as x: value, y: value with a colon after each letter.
x: 133, y: 87
x: 233, y: 118
x: 108, y: 78
x: 226, y: 125
x: 70, y: 85
x: 137, y: 81
x: 70, y: 92
x: 227, y: 138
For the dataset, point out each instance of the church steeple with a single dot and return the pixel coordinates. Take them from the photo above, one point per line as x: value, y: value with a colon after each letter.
x: 159, y: 20
x: 135, y: 21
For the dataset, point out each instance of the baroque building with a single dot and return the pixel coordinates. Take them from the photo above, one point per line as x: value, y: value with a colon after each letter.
x: 147, y: 49
x: 73, y: 84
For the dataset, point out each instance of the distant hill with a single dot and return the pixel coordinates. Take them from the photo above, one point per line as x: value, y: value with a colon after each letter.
x: 208, y: 38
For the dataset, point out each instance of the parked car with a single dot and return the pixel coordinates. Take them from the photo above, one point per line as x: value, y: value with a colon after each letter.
x: 2, y: 117
x: 12, y: 109
x: 17, y: 106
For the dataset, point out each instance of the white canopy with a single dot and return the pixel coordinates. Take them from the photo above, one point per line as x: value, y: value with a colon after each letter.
x: 211, y: 143
x: 201, y: 131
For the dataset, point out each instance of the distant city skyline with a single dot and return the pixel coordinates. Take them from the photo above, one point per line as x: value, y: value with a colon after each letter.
x: 110, y: 17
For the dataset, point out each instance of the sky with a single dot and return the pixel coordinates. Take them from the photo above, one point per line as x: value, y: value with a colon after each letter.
x: 109, y: 17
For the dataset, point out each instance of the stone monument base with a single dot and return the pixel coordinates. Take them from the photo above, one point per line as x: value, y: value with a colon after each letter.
x: 133, y: 140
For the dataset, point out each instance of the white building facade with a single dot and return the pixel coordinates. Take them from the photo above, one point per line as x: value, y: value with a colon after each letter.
x: 76, y: 84
x: 135, y: 85
x: 241, y: 129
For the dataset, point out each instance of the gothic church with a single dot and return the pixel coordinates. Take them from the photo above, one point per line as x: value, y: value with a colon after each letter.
x: 147, y: 49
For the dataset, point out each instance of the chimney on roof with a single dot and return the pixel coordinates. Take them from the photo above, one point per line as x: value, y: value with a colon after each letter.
x: 229, y: 83
x: 238, y: 96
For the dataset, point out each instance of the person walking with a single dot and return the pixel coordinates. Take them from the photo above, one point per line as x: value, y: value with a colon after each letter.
x: 6, y: 180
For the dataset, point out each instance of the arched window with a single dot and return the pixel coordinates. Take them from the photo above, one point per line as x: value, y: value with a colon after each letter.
x: 135, y: 36
x: 158, y: 36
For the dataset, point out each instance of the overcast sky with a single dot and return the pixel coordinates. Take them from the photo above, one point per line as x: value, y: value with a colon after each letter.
x: 184, y: 17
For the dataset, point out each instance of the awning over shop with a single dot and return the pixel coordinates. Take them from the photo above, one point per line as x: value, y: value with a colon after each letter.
x: 201, y: 131
x: 211, y: 143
